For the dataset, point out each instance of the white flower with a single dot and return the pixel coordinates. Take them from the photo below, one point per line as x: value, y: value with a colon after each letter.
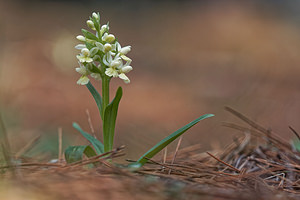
x: 111, y: 72
x: 122, y: 51
x: 125, y: 69
x: 117, y: 63
x: 84, y: 56
x: 81, y: 70
x: 83, y: 80
x: 116, y: 68
x: 80, y: 38
x: 113, y: 64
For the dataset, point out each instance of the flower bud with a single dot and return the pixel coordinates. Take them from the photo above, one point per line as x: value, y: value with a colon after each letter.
x: 90, y: 24
x: 110, y: 38
x: 95, y: 15
x: 80, y: 38
x: 104, y: 28
x: 107, y: 47
x: 125, y: 50
x: 126, y: 69
x: 85, y: 51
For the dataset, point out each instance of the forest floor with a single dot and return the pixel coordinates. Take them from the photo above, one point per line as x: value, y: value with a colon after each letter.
x: 258, y: 165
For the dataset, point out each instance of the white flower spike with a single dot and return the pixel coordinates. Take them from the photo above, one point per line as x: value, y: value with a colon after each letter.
x: 101, y: 55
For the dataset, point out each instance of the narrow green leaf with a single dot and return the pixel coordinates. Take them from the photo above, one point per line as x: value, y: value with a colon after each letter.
x: 89, y: 35
x: 96, y: 96
x: 296, y: 144
x: 166, y: 141
x: 89, y: 45
x: 4, y: 142
x: 109, y: 122
x: 96, y: 143
x: 96, y: 24
x: 75, y: 153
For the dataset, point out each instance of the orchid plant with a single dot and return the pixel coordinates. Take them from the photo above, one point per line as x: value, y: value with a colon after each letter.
x: 102, y: 58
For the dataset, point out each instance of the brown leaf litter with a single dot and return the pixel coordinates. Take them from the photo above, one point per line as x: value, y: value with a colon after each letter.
x: 259, y: 165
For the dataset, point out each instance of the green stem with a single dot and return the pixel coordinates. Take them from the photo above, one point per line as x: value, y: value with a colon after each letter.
x: 105, y: 91
x: 105, y: 102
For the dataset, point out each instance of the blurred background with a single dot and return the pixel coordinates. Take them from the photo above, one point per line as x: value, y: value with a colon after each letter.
x: 189, y: 58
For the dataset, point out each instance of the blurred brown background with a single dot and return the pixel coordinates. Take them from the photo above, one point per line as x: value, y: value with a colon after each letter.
x: 189, y: 58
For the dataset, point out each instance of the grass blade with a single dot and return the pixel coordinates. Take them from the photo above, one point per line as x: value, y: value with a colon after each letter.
x: 75, y: 153
x: 166, y: 141
x: 96, y: 143
x: 4, y: 142
x: 109, y: 122
x: 96, y: 96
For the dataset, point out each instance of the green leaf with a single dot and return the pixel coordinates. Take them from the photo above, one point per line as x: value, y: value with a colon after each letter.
x: 89, y: 45
x: 96, y: 143
x: 89, y: 35
x: 109, y: 122
x: 296, y: 144
x: 96, y: 24
x: 166, y: 141
x: 75, y: 153
x: 96, y: 96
